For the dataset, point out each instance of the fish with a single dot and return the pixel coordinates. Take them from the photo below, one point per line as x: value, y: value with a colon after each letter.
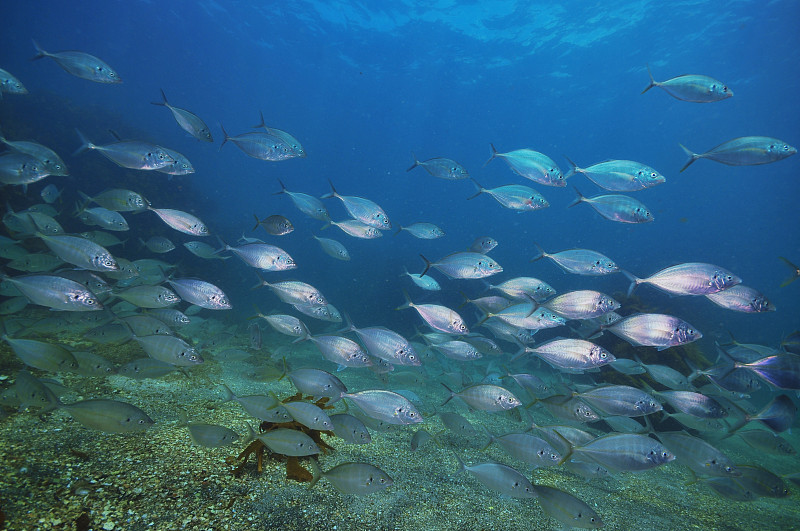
x: 286, y: 324
x: 35, y: 263
x: 619, y: 175
x: 169, y: 349
x: 262, y: 407
x: 263, y: 146
x: 532, y: 165
x: 350, y: 429
x: 276, y: 225
x: 55, y: 292
x: 579, y: 261
x: 10, y: 84
x: 333, y: 248
x: 294, y: 292
x: 148, y: 296
x: 699, y: 455
x: 80, y: 252
x: 201, y: 293
x: 622, y: 400
x: 527, y: 448
x: 317, y: 383
x: 464, y: 264
x: 158, y: 244
x: 52, y: 162
x: 386, y: 406
x: 485, y: 397
x: 211, y: 435
x: 780, y: 370
x: 692, y: 278
x: 180, y: 164
x: 427, y: 283
x: 81, y: 64
x: 294, y: 145
x: 340, y: 350
x: 357, y: 229
x: 309, y: 415
x: 694, y: 88
x: 110, y: 416
x: 146, y: 368
x: 741, y: 298
x: 181, y: 221
x: 766, y: 441
x: 514, y: 197
x: 500, y: 478
x: 49, y: 357
x: 526, y: 288
x: 32, y: 392
x: 582, y: 304
x: 442, y: 168
x: 50, y: 193
x: 438, y: 317
x: 483, y: 245
x: 566, y: 508
x: 572, y: 354
x: 386, y: 344
x: 795, y: 272
x: 189, y: 122
x: 619, y: 208
x: 744, y: 151
x: 423, y: 231
x: 288, y: 442
x: 695, y: 404
x: 366, y: 211
x: 21, y: 169
x: 119, y: 200
x: 655, y: 330
x: 352, y: 478
x: 103, y: 218
x: 307, y: 204
x: 145, y: 325
x: 625, y: 452
x: 666, y: 376
x: 458, y: 350
x: 132, y: 154
x: 203, y: 250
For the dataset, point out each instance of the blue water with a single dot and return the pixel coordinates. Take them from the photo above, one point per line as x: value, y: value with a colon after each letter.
x: 363, y: 86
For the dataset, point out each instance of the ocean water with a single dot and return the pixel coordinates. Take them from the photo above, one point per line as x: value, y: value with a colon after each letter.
x: 363, y: 85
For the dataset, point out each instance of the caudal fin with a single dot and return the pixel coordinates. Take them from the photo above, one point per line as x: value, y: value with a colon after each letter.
x: 689, y: 153
x: 478, y: 186
x: 540, y: 252
x: 428, y: 265
x: 416, y: 162
x: 163, y: 101
x: 258, y: 222
x: 332, y: 193
x: 225, y: 134
x: 262, y: 125
x: 85, y: 144
x: 795, y: 272
x: 653, y: 82
x: 494, y: 155
x: 39, y: 52
x: 635, y: 281
x: 573, y: 168
x: 577, y: 199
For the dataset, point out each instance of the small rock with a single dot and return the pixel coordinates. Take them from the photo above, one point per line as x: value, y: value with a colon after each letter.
x: 108, y: 526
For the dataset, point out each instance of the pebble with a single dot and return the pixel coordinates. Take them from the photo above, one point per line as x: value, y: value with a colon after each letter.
x: 108, y: 526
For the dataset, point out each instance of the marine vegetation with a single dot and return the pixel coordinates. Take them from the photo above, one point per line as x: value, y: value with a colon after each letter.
x: 257, y: 448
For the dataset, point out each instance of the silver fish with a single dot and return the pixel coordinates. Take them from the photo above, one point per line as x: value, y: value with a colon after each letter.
x: 442, y: 168
x: 203, y: 250
x: 169, y: 349
x: 103, y: 218
x: 692, y: 278
x: 500, y: 478
x: 170, y: 316
x: 352, y: 478
x: 582, y: 304
x: 189, y: 122
x: 625, y: 452
x: 50, y: 193
x: 80, y: 252
x: 158, y: 244
x: 201, y: 293
x: 111, y: 416
x: 387, y: 345
x: 620, y: 175
x: 81, y: 64
x: 10, y: 84
x: 526, y: 288
x: 146, y: 368
x: 386, y: 406
x: 744, y: 151
x: 350, y: 429
x: 655, y: 330
x: 21, y: 169
x: 260, y: 406
x: 32, y: 392
x: 566, y: 508
x: 317, y: 383
x: 286, y: 324
x: 262, y: 256
x: 364, y: 210
x: 698, y: 455
x: 181, y: 221
x: 43, y: 356
x: 289, y: 442
x: 619, y: 208
x: 532, y: 165
x: 333, y: 248
x: 458, y: 350
x: 573, y: 354
x: 695, y: 404
x: 741, y: 298
x: 622, y: 400
x: 357, y: 229
x: 211, y: 435
x: 149, y: 296
x: 423, y: 231
x: 464, y: 264
x: 35, y: 263
x: 309, y: 415
x: 180, y: 164
x: 438, y: 317
x: 527, y: 448
x: 294, y: 145
x: 340, y: 350
x: 45, y: 223
x: 483, y: 245
x: 485, y: 397
x: 56, y: 292
x: 579, y: 261
x: 144, y: 325
x: 294, y: 292
x: 307, y: 204
x: 427, y: 283
x: 692, y: 87
x: 132, y: 154
x: 514, y: 197
x: 119, y: 200
x: 263, y: 146
x: 53, y: 164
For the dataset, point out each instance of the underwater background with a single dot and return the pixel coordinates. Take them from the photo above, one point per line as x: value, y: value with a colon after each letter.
x: 363, y: 85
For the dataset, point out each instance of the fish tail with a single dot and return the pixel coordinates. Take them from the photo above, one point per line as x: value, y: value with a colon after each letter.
x: 225, y: 134
x: 485, y: 318
x: 115, y: 134
x: 283, y: 188
x: 521, y: 352
x: 795, y: 270
x: 258, y: 222
x: 653, y: 82
x: 163, y: 101
x: 689, y: 153
x: 466, y: 300
x: 228, y: 394
x: 316, y: 472
x: 480, y: 189
x: 416, y: 162
x: 142, y: 244
x: 261, y: 282
x: 461, y: 466
x: 399, y: 230
x: 39, y: 52
x: 573, y: 168
x: 224, y: 245
x: 85, y: 198
x: 452, y: 394
x: 332, y: 193
x: 491, y: 436
x: 407, y: 304
x: 427, y: 266
x: 262, y: 124
x: 494, y: 155
x: 540, y: 252
x: 635, y: 281
x: 85, y: 144
x: 577, y: 199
